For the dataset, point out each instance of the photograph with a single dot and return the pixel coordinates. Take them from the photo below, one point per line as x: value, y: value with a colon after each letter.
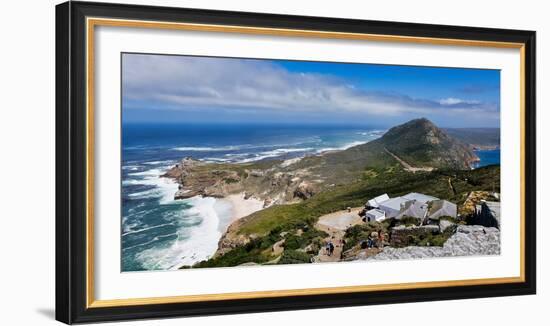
x: 234, y: 162
x: 225, y: 160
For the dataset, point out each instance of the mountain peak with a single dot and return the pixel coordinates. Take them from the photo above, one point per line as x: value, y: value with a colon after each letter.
x: 420, y: 124
x: 420, y: 141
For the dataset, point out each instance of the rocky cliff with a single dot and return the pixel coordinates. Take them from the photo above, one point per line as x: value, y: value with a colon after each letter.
x: 268, y: 181
x: 469, y: 240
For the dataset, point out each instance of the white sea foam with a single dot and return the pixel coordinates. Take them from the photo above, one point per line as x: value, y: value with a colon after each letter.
x: 131, y: 167
x: 151, y: 193
x: 208, y: 149
x: 155, y: 239
x: 281, y: 151
x: 372, y: 133
x: 167, y: 162
x: 193, y: 244
x: 341, y: 148
x: 146, y: 229
x: 217, y: 160
x: 274, y: 153
x: 165, y: 188
x: 150, y: 172
x: 253, y: 157
x: 232, y: 147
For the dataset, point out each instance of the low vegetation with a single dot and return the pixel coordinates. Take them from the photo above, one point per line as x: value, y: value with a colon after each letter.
x: 266, y: 226
x: 394, y: 182
x: 294, y: 257
x: 359, y: 233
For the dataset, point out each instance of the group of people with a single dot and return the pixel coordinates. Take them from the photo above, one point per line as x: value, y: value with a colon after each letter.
x: 330, y: 248
x: 375, y: 239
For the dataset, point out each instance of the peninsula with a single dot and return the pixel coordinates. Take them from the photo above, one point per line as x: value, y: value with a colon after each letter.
x: 317, y: 200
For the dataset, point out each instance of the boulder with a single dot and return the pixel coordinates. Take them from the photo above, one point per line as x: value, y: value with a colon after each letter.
x: 444, y: 225
x: 305, y: 190
x: 186, y: 193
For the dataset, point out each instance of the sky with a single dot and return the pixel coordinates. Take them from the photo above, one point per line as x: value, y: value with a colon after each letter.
x: 193, y: 89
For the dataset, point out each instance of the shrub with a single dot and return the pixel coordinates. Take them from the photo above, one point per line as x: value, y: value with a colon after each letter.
x: 407, y: 221
x: 358, y: 233
x: 294, y: 257
x: 294, y: 241
x: 449, y: 218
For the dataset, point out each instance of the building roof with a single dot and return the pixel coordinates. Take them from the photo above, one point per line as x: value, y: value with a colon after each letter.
x: 375, y: 202
x: 413, y: 208
x: 376, y: 213
x: 440, y: 208
x: 394, y: 203
x: 419, y: 197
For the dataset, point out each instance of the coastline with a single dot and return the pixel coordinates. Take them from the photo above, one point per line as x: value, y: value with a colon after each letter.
x: 228, y: 210
x: 241, y: 207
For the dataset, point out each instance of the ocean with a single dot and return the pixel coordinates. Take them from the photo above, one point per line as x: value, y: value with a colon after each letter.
x: 487, y: 157
x: 159, y: 233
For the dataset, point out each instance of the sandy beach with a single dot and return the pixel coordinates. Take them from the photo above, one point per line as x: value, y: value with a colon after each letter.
x: 242, y: 207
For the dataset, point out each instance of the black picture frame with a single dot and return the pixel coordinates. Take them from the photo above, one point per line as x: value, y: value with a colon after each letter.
x: 71, y: 158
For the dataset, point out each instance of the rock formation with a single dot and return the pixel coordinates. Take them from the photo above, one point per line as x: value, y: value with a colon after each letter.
x: 469, y: 240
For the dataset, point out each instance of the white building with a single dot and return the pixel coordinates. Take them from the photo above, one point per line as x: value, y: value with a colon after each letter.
x: 375, y: 215
x: 419, y: 197
x: 375, y: 202
x: 413, y: 208
x: 441, y: 208
x: 392, y: 206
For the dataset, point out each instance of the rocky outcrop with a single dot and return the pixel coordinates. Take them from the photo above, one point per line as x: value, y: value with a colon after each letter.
x: 198, y: 178
x: 266, y: 181
x: 445, y: 224
x: 469, y: 240
x: 305, y: 190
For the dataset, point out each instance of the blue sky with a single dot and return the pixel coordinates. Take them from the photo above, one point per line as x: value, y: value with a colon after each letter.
x: 162, y: 88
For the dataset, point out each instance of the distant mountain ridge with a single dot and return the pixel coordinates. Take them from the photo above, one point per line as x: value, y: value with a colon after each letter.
x: 476, y: 138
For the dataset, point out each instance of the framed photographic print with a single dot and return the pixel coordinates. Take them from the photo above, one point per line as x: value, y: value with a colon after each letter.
x: 212, y: 162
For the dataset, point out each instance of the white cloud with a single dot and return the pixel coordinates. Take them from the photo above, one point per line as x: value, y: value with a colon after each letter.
x: 187, y: 83
x: 454, y: 101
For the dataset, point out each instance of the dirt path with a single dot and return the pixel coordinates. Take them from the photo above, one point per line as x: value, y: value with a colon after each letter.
x: 451, y: 186
x: 335, y: 224
x: 278, y: 248
x: 407, y: 166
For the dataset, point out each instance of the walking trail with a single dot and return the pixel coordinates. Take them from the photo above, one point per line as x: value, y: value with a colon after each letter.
x: 335, y: 224
x: 407, y: 166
